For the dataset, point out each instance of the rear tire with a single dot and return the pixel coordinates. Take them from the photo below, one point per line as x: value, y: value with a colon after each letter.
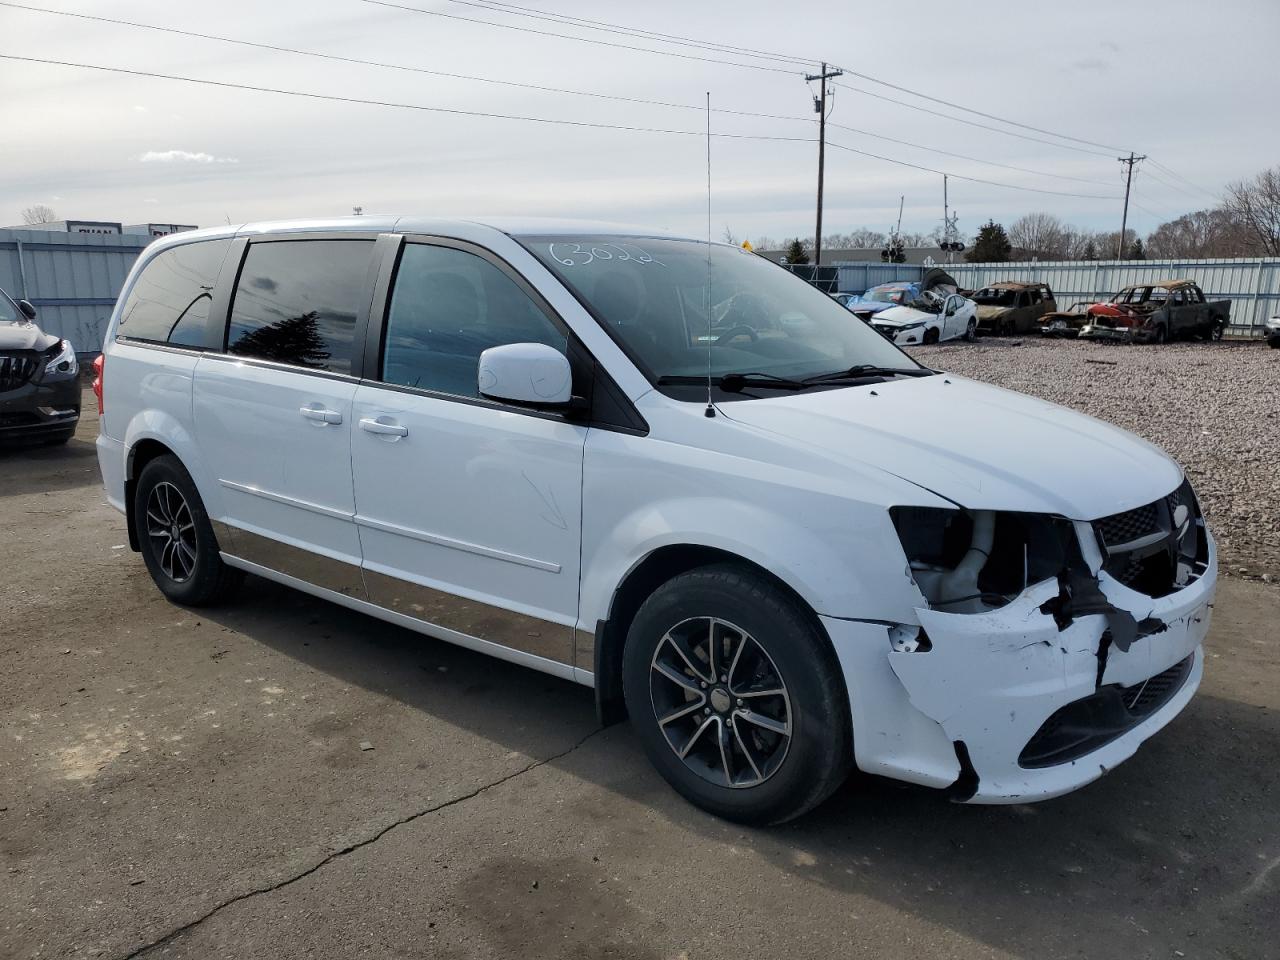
x: 176, y: 538
x: 1161, y: 335
x: 764, y: 728
x: 971, y: 331
x: 1216, y: 332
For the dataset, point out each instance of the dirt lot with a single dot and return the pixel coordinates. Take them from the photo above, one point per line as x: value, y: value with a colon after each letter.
x: 1215, y: 407
x: 192, y: 785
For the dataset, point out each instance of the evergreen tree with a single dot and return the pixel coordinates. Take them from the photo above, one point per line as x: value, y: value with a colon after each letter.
x: 1137, y: 251
x: 796, y: 253
x: 991, y: 246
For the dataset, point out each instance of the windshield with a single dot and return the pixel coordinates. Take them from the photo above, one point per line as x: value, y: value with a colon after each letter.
x: 8, y: 309
x: 886, y: 294
x: 651, y: 296
x: 996, y: 297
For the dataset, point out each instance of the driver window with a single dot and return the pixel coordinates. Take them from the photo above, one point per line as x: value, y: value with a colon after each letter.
x: 447, y: 307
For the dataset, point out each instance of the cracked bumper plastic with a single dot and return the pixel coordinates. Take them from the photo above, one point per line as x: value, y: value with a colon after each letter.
x: 991, y: 680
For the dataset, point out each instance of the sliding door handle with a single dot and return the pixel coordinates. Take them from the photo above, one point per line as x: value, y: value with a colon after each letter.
x: 383, y: 426
x: 320, y: 414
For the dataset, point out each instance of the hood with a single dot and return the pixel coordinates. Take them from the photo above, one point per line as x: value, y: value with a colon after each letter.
x: 901, y: 316
x: 991, y: 313
x: 869, y: 306
x: 980, y: 446
x: 24, y: 336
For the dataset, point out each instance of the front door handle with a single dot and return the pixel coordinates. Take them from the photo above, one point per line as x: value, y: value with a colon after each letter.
x: 382, y: 427
x: 320, y: 414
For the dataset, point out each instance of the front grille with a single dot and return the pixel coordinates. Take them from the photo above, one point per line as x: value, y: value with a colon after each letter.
x: 1156, y: 548
x: 16, y: 368
x: 1094, y: 721
x: 1128, y: 526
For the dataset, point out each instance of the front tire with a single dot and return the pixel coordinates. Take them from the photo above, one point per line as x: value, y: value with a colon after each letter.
x: 176, y: 539
x: 737, y: 696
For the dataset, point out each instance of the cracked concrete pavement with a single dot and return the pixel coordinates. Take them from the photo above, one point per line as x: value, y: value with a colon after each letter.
x: 192, y: 784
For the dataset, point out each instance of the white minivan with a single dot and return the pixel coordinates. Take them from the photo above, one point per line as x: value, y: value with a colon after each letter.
x: 670, y: 471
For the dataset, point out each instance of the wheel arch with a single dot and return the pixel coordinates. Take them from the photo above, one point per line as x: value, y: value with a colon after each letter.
x: 651, y: 572
x: 140, y: 454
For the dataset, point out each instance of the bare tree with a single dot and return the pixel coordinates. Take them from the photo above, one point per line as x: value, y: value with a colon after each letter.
x: 37, y: 214
x: 1205, y: 233
x: 1256, y: 203
x: 728, y: 236
x: 1041, y: 236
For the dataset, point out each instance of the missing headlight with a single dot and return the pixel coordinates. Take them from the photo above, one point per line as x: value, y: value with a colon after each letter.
x: 967, y: 561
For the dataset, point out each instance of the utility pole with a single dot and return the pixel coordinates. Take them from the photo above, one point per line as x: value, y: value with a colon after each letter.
x: 820, y: 107
x: 1128, y: 180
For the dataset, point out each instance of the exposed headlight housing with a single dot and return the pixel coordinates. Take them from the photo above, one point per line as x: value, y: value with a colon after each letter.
x: 967, y: 561
x: 911, y: 326
x: 60, y: 362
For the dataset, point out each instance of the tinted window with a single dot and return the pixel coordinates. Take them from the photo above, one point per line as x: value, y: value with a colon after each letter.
x: 297, y: 301
x: 446, y: 307
x: 170, y: 301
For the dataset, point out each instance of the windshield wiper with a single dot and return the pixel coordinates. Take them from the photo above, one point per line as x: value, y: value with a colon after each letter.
x: 734, y: 382
x: 870, y: 370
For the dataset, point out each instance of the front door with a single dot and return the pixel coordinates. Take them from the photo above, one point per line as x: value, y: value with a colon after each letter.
x: 273, y: 412
x: 469, y: 510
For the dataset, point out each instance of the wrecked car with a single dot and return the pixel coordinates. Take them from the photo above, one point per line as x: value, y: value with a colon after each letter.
x: 768, y: 536
x: 933, y: 311
x: 882, y: 297
x: 1158, y: 313
x: 1065, y: 323
x: 932, y: 317
x: 1013, y: 307
x: 39, y: 379
x: 1271, y: 330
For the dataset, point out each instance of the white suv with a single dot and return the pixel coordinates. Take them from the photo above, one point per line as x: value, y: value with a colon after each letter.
x: 668, y: 470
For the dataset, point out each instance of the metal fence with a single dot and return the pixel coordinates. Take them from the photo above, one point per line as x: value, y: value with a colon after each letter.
x: 1252, y: 285
x: 72, y: 279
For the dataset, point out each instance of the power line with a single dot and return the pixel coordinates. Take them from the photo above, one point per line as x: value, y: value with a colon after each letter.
x: 977, y: 113
x: 277, y: 48
x: 403, y: 106
x: 971, y: 123
x: 963, y: 156
x: 566, y: 36
x: 517, y: 10
x: 1178, y: 176
x: 453, y: 111
x: 958, y: 176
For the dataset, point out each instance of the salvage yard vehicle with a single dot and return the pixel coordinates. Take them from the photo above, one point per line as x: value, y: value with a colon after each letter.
x: 766, y: 534
x: 1065, y: 323
x: 882, y: 297
x: 1271, y: 330
x: 1157, y: 313
x: 1013, y: 307
x: 932, y: 317
x: 39, y: 379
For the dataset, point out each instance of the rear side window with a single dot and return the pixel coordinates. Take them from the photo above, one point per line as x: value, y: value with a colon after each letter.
x: 447, y: 307
x: 170, y: 301
x: 296, y: 302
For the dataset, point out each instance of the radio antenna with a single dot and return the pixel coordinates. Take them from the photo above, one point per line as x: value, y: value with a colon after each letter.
x: 711, y: 410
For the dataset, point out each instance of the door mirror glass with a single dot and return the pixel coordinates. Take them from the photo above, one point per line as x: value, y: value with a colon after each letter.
x: 27, y: 309
x: 526, y: 373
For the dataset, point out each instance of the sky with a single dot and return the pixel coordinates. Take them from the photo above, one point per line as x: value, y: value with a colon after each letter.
x: 1166, y: 78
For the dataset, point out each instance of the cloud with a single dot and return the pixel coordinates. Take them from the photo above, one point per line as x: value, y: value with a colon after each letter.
x: 182, y: 156
x: 139, y: 108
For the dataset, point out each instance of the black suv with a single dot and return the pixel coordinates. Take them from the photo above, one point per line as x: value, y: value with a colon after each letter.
x: 39, y: 378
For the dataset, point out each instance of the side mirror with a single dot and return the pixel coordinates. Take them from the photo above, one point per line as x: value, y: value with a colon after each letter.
x: 27, y: 309
x: 528, y: 373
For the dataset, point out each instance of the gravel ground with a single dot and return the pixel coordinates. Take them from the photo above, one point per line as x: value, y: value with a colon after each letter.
x: 1215, y: 407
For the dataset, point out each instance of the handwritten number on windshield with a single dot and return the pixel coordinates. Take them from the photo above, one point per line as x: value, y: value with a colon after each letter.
x: 575, y: 255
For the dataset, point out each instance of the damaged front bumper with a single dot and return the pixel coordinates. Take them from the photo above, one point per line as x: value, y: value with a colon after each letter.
x: 1015, y: 704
